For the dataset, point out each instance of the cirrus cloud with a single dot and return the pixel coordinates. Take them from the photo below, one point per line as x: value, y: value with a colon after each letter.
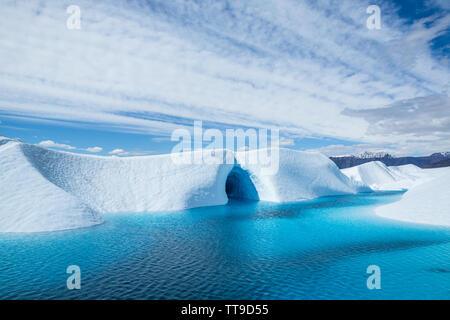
x: 52, y: 144
x: 159, y: 65
x: 94, y: 149
x: 118, y: 152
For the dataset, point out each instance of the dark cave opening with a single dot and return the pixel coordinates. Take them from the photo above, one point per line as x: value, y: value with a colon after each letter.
x: 239, y: 185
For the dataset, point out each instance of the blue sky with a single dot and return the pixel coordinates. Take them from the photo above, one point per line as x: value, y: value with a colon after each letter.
x: 137, y: 70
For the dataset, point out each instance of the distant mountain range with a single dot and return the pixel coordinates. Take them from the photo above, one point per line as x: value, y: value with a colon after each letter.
x: 436, y: 160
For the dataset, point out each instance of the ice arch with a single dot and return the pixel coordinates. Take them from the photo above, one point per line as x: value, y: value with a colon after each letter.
x: 45, y: 190
x: 239, y: 185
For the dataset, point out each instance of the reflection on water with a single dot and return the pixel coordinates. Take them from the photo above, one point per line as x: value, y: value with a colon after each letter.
x: 317, y: 249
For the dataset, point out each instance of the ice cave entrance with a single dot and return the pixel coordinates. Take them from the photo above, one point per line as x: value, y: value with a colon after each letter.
x: 240, y: 186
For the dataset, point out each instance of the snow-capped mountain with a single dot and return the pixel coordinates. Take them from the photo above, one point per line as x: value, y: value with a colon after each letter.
x: 374, y: 155
x: 435, y: 160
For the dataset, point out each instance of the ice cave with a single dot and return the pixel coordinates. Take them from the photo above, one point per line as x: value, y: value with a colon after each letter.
x: 239, y: 185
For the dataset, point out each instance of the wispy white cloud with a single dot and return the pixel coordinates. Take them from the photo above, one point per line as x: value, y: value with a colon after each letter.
x: 94, y: 149
x: 142, y: 66
x: 286, y: 141
x: 420, y: 117
x: 119, y: 152
x: 444, y: 4
x: 162, y: 139
x: 52, y: 144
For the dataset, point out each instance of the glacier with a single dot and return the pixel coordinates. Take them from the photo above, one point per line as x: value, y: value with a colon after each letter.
x: 301, y: 176
x: 427, y: 199
x: 426, y: 203
x: 377, y: 176
x: 30, y: 203
x: 47, y: 190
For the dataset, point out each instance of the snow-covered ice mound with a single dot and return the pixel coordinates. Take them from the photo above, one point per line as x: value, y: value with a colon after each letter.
x: 131, y: 184
x: 378, y: 176
x: 44, y: 190
x: 408, y: 170
x: 427, y: 203
x: 30, y: 203
x: 301, y: 176
x: 427, y: 199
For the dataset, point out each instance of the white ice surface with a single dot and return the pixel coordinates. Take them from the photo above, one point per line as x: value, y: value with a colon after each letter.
x: 378, y: 176
x: 300, y: 176
x: 45, y: 190
x: 30, y: 203
x: 427, y: 199
x: 427, y: 202
x: 131, y: 184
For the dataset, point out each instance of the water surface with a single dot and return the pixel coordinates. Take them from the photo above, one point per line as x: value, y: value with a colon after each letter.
x: 318, y: 249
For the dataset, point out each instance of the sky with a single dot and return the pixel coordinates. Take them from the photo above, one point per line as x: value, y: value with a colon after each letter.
x: 137, y: 70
